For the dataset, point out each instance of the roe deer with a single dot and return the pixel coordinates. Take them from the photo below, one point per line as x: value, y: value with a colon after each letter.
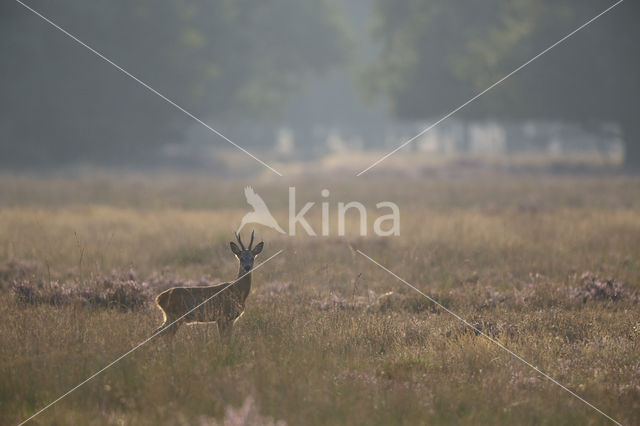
x: 223, y: 305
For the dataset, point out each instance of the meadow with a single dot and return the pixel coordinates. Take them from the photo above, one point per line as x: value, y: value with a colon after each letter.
x: 549, y: 266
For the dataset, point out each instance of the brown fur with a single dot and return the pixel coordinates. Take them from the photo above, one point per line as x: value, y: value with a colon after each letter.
x: 222, y: 303
x: 224, y: 308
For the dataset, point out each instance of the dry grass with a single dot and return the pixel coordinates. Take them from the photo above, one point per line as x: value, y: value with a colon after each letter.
x: 322, y: 340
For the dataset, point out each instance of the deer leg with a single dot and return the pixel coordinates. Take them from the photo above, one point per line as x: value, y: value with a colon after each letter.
x: 168, y: 328
x: 225, y: 327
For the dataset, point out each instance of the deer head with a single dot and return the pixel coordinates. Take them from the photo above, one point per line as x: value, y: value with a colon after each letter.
x: 246, y: 256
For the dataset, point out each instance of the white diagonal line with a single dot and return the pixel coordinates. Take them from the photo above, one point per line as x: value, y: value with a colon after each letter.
x: 162, y: 330
x: 425, y: 130
x: 492, y: 340
x: 146, y: 86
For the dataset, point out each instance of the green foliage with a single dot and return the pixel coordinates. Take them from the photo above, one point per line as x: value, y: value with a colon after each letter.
x: 438, y: 54
x: 215, y: 58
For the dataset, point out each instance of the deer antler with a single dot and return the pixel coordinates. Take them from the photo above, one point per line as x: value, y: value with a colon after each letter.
x: 251, y: 242
x: 240, y: 241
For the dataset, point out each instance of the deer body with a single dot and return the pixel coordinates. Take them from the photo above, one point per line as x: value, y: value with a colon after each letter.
x: 221, y: 303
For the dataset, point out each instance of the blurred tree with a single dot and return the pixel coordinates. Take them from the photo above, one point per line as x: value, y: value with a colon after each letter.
x: 436, y: 54
x: 60, y: 103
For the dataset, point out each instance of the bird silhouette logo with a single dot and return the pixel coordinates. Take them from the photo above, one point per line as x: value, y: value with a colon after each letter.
x: 260, y: 214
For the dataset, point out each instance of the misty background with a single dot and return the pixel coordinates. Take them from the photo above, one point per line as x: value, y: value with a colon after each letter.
x: 301, y: 80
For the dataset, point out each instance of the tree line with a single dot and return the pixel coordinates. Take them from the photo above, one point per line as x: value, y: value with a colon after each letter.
x: 233, y: 58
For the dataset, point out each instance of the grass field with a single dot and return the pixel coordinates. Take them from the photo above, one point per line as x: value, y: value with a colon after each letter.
x: 548, y: 266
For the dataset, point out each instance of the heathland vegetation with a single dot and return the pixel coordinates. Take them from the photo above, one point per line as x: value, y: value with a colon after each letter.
x: 548, y: 266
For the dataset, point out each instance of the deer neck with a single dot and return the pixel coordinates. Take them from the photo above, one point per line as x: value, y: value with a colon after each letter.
x: 244, y: 282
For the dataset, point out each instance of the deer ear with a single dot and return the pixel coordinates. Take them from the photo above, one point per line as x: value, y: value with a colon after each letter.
x: 234, y: 248
x: 257, y: 249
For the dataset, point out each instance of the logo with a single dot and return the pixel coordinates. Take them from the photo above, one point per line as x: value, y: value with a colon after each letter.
x: 260, y: 214
x: 384, y: 225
